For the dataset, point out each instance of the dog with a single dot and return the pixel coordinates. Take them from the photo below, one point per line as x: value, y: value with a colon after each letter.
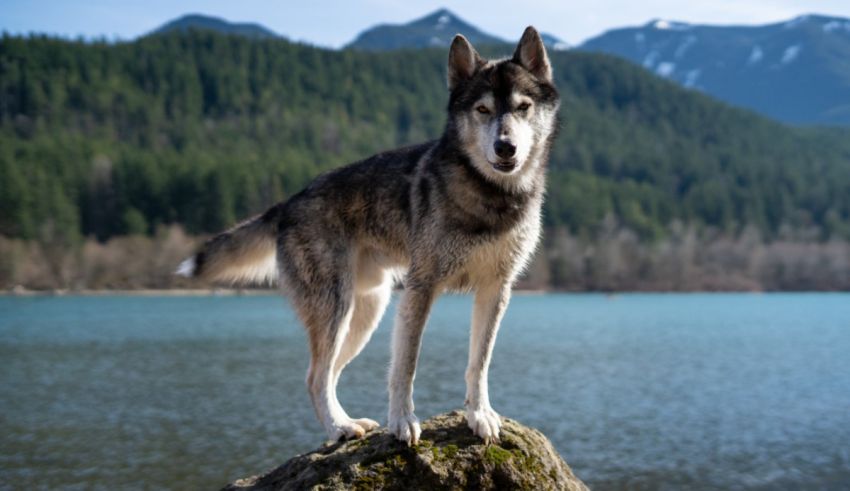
x: 460, y: 213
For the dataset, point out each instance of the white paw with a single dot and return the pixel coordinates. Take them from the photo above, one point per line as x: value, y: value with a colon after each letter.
x: 485, y: 423
x: 346, y: 430
x: 367, y: 424
x: 405, y: 427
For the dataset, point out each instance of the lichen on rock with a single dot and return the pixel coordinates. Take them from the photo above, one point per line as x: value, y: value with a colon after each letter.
x: 448, y: 456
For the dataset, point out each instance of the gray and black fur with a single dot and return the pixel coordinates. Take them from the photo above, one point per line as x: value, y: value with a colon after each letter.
x: 458, y: 213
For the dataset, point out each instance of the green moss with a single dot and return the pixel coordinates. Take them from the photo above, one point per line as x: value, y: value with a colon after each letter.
x: 367, y: 482
x: 443, y: 453
x: 375, y: 475
x: 450, y: 451
x: 526, y: 463
x: 397, y: 461
x: 423, y: 446
x: 358, y: 443
x: 497, y: 455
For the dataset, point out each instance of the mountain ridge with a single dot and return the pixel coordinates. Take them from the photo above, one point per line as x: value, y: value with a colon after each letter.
x: 436, y: 29
x: 208, y: 22
x: 796, y: 71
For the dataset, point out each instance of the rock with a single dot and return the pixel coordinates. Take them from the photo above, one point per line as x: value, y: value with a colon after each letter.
x: 448, y: 456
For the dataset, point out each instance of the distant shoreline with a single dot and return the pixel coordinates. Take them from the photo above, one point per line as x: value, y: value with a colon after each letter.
x: 259, y: 292
x: 165, y: 292
x: 173, y: 292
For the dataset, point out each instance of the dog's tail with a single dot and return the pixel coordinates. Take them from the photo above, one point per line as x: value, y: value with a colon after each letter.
x: 245, y: 253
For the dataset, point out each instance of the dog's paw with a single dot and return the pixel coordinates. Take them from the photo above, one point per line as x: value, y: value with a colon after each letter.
x: 485, y: 423
x: 405, y: 427
x: 347, y: 430
x: 367, y: 424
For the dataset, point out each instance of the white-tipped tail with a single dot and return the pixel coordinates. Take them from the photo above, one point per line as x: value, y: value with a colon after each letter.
x: 243, y: 254
x: 186, y: 268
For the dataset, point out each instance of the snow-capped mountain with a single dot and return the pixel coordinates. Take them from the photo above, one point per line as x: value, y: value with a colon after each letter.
x: 434, y: 30
x: 796, y: 71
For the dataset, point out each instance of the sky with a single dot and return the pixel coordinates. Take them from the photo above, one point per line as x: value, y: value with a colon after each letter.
x: 335, y: 23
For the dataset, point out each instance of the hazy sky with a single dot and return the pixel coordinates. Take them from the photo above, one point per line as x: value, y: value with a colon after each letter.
x: 334, y: 23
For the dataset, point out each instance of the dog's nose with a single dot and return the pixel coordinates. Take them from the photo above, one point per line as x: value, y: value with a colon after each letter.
x: 505, y: 149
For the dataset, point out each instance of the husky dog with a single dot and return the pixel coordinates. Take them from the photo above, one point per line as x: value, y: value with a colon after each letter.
x: 458, y: 213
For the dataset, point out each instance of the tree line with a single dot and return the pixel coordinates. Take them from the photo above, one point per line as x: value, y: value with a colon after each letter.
x: 101, y: 140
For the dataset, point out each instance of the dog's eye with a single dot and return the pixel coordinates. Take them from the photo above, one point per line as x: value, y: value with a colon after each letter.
x: 523, y: 107
x: 482, y: 109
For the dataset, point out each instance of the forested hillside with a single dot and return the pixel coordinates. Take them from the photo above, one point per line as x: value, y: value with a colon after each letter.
x: 201, y: 129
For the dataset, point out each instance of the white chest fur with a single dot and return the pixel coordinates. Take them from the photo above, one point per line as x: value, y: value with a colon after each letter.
x: 500, y: 259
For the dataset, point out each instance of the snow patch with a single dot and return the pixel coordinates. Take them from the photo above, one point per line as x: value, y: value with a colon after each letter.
x: 832, y: 25
x: 666, y: 25
x: 755, y: 55
x: 665, y: 69
x: 561, y: 46
x: 685, y: 46
x: 835, y: 25
x: 650, y: 59
x: 435, y: 41
x: 790, y: 54
x: 443, y: 20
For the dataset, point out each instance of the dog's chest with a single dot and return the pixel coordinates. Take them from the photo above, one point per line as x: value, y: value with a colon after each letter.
x: 499, y: 257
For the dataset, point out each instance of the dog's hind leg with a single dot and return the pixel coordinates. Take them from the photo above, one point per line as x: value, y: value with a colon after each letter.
x: 327, y: 316
x: 368, y: 309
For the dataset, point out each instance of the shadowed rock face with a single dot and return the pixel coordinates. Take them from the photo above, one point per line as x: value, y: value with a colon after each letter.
x: 449, y: 456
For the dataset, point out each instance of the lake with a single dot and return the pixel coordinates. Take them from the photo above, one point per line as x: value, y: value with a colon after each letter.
x: 637, y: 391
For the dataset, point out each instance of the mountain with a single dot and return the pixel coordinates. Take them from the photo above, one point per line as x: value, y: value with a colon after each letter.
x: 796, y: 71
x: 434, y: 30
x: 205, y: 22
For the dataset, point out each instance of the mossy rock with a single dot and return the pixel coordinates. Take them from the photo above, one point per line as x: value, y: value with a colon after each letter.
x: 448, y: 456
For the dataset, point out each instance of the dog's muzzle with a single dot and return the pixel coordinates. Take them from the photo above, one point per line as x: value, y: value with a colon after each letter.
x: 505, y: 150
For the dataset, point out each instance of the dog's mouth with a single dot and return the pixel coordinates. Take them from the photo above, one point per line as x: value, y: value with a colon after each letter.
x: 504, y: 165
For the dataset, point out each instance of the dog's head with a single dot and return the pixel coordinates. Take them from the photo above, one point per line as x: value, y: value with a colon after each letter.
x: 505, y: 111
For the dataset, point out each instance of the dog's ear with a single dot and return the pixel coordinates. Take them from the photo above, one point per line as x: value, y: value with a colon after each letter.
x: 531, y: 54
x: 463, y: 61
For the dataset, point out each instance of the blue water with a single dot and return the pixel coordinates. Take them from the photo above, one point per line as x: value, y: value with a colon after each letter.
x: 701, y: 391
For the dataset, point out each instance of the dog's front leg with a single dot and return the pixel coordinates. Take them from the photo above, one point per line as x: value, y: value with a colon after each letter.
x: 407, y: 337
x: 490, y: 305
